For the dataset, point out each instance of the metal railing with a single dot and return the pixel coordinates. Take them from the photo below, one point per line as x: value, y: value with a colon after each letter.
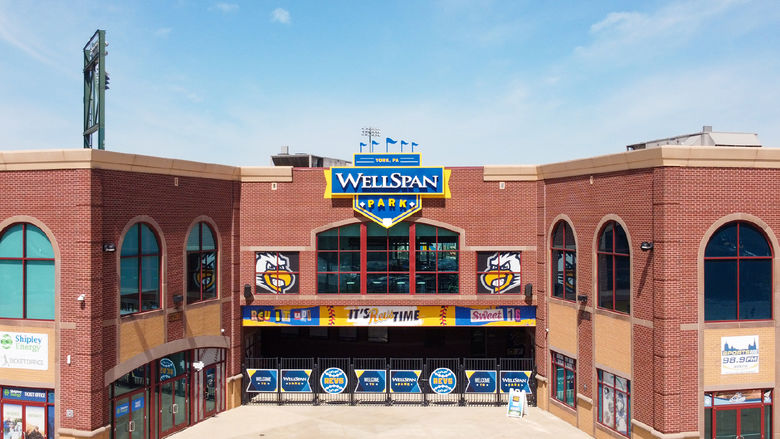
x: 388, y: 381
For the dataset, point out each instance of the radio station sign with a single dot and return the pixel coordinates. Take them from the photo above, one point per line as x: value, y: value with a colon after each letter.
x: 387, y: 188
x: 739, y: 355
x: 24, y: 350
x: 377, y: 316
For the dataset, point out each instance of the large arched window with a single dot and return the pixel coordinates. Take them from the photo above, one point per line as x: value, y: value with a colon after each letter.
x: 614, y: 269
x: 564, y: 262
x: 737, y: 274
x: 201, y: 264
x: 367, y: 258
x: 139, y: 264
x: 26, y: 273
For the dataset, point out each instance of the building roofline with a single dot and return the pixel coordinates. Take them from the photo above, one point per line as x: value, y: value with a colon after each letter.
x: 663, y: 156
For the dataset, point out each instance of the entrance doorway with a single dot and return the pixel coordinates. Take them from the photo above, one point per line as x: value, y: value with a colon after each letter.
x: 745, y: 414
x: 130, y: 415
x: 174, y: 405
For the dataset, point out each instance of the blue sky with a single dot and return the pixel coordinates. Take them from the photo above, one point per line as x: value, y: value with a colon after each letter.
x: 473, y: 82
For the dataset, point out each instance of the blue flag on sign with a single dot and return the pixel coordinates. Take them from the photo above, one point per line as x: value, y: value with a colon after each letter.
x: 361, y: 146
x: 402, y: 145
x: 391, y: 141
x: 413, y: 145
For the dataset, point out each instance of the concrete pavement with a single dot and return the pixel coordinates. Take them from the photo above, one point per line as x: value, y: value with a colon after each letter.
x: 353, y: 422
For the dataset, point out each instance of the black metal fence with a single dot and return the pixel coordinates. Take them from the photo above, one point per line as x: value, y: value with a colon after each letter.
x: 387, y: 381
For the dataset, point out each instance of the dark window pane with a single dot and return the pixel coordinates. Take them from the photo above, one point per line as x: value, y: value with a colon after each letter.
x: 349, y: 237
x: 570, y: 388
x: 328, y: 240
x: 621, y: 241
x: 349, y: 261
x: 448, y: 261
x: 425, y: 283
x: 448, y: 283
x: 605, y: 241
x: 208, y: 242
x: 399, y: 237
x: 752, y: 242
x: 193, y: 241
x: 327, y: 283
x: 426, y: 261
x: 720, y: 290
x: 448, y: 240
x: 376, y: 261
x: 755, y: 289
x: 425, y: 237
x: 557, y: 273
x: 557, y: 240
x: 399, y: 261
x: 622, y: 284
x: 377, y: 237
x: 605, y: 281
x: 570, y: 275
x: 376, y: 283
x: 128, y: 282
x: 570, y: 243
x: 723, y: 242
x: 350, y: 283
x: 559, y: 382
x: 708, y: 423
x: 327, y: 261
x: 130, y: 243
x: 148, y: 241
x: 399, y: 283
x: 193, y: 272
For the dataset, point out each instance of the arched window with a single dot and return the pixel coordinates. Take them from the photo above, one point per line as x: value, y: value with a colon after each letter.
x: 614, y: 269
x: 367, y: 258
x: 139, y: 264
x: 564, y: 262
x: 201, y: 264
x: 26, y: 273
x: 737, y: 274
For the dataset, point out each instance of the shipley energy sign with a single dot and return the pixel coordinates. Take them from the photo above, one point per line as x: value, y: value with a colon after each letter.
x: 387, y: 188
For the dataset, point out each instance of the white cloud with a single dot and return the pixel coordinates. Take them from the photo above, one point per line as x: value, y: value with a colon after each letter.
x: 280, y: 15
x: 163, y: 32
x: 225, y: 7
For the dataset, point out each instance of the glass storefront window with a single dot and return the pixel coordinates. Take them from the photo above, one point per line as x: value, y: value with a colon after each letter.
x: 25, y: 411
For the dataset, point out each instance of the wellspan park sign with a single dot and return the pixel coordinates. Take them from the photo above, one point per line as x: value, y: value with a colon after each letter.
x: 420, y: 315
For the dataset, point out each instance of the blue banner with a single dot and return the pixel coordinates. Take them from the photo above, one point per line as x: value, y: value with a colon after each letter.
x: 443, y: 381
x: 167, y: 369
x: 495, y: 316
x: 481, y: 381
x: 19, y: 394
x: 387, y: 159
x: 386, y: 181
x: 405, y: 381
x: 122, y: 409
x: 263, y: 380
x: 138, y: 403
x: 333, y: 380
x: 296, y: 380
x: 371, y: 381
x: 515, y: 379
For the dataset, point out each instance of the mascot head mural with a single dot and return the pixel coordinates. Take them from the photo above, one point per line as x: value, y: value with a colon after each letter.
x: 274, y: 272
x: 501, y: 272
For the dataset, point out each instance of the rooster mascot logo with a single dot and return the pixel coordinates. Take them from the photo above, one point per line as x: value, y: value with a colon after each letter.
x: 502, y: 272
x: 273, y: 272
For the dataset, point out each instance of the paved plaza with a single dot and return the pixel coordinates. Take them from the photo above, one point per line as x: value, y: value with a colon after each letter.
x: 353, y: 422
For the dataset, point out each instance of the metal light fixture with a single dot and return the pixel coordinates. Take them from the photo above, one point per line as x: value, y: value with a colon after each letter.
x: 247, y: 291
x: 645, y: 246
x: 582, y: 298
x: 529, y: 291
x: 177, y: 300
x: 109, y: 247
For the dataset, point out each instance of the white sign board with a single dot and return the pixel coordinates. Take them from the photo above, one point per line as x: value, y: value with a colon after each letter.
x: 739, y: 354
x: 24, y: 350
x: 516, y: 405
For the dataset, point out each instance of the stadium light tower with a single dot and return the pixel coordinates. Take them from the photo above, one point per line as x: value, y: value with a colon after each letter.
x: 95, y: 86
x: 371, y: 132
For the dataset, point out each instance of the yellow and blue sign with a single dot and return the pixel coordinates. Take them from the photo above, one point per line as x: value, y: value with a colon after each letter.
x: 481, y: 381
x: 387, y: 188
x: 405, y: 381
x: 263, y: 380
x: 333, y: 380
x: 371, y: 381
x: 443, y: 381
x: 389, y: 315
x: 515, y: 379
x: 296, y: 380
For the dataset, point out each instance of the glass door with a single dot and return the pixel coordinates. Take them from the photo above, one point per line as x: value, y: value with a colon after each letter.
x: 739, y: 423
x: 210, y: 391
x: 174, y: 407
x: 750, y: 423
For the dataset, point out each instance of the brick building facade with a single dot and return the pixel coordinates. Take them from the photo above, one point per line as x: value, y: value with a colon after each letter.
x: 155, y: 269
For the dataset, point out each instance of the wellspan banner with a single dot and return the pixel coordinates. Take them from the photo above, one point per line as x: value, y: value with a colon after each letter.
x: 424, y: 315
